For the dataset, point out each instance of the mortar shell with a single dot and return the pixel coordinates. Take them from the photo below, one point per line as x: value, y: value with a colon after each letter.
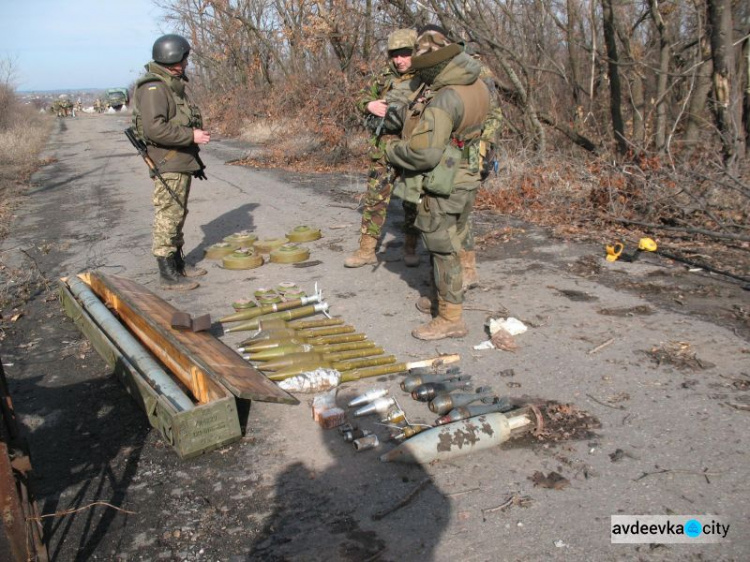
x: 427, y: 391
x: 463, y: 437
x: 444, y: 403
x: 464, y: 412
x: 411, y: 382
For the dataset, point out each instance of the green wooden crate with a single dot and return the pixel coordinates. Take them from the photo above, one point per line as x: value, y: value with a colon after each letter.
x: 191, y: 433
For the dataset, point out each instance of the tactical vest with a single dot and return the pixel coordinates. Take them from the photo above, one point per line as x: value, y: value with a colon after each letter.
x: 462, y: 150
x: 187, y: 114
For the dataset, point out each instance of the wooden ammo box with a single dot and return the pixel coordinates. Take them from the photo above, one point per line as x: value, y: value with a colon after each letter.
x: 212, y: 374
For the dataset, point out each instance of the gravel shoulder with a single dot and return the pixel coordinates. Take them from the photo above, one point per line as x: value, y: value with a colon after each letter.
x: 657, y: 355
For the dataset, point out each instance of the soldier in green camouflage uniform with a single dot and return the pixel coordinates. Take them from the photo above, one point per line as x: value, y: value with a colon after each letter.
x: 381, y: 103
x: 440, y: 167
x: 171, y: 126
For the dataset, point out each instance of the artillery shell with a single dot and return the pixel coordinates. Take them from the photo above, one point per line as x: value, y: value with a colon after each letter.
x: 377, y: 406
x: 367, y: 442
x: 368, y: 396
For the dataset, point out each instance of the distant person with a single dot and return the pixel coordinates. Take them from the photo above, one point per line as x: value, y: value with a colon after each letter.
x: 387, y: 93
x: 172, y: 127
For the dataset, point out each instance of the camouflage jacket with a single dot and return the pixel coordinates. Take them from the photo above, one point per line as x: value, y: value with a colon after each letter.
x: 165, y: 117
x: 395, y: 89
x: 442, y: 119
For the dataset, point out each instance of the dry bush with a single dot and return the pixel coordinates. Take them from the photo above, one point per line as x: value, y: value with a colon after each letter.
x: 23, y: 134
x: 309, y: 122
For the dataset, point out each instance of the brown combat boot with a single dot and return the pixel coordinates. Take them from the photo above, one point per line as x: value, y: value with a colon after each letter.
x: 411, y: 258
x: 169, y: 277
x: 469, y: 269
x: 366, y: 253
x: 447, y: 324
x: 426, y: 305
x: 184, y: 268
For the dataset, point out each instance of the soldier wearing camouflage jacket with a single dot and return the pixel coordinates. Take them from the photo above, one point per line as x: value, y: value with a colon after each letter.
x: 381, y: 104
x: 171, y: 125
x: 439, y: 165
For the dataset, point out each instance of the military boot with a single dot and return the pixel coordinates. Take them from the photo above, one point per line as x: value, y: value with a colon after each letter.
x: 411, y: 258
x: 184, y: 268
x: 448, y: 323
x: 365, y: 255
x: 469, y: 269
x: 169, y: 277
x: 426, y: 305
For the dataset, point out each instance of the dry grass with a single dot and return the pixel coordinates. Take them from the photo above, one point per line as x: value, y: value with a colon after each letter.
x: 23, y: 135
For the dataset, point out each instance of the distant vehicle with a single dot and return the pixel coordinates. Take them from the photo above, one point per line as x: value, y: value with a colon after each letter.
x: 116, y: 98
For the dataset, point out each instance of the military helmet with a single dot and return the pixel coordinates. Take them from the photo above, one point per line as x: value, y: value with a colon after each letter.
x: 402, y: 39
x: 170, y: 49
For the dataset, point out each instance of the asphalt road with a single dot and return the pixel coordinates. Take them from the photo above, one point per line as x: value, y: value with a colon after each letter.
x: 656, y: 354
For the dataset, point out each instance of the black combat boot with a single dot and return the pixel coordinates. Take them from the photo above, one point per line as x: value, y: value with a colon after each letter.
x: 169, y: 278
x: 184, y: 268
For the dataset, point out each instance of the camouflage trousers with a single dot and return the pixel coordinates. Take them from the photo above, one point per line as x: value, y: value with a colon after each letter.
x: 377, y: 199
x: 169, y: 216
x: 445, y: 224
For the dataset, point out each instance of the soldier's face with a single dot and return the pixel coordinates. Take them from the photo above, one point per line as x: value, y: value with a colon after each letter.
x: 402, y: 62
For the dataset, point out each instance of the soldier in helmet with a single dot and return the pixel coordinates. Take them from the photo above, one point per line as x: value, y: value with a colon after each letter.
x: 382, y: 104
x: 172, y: 127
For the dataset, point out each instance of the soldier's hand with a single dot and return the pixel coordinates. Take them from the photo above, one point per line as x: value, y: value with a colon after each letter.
x: 200, y: 136
x: 377, y: 108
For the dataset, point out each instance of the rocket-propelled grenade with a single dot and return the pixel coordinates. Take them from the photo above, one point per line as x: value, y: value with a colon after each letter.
x: 268, y: 309
x: 341, y: 366
x: 283, y: 350
x: 254, y: 347
x: 286, y: 333
x: 292, y: 314
x: 293, y: 359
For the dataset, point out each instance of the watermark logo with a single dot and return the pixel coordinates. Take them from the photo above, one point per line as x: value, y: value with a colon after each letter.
x: 688, y: 529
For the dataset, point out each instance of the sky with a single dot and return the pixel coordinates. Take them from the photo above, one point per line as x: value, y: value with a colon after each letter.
x: 77, y: 44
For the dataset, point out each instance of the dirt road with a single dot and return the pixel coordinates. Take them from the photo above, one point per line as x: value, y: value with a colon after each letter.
x: 658, y: 356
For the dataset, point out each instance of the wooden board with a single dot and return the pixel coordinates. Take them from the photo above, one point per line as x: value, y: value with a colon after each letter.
x: 199, y: 359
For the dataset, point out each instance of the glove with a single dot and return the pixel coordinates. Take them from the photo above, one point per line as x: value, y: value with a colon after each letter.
x: 200, y: 174
x: 489, y: 164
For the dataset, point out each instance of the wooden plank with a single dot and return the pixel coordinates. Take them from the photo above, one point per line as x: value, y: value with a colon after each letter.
x: 199, y: 356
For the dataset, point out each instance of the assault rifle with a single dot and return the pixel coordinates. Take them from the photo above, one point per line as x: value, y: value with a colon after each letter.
x: 140, y: 146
